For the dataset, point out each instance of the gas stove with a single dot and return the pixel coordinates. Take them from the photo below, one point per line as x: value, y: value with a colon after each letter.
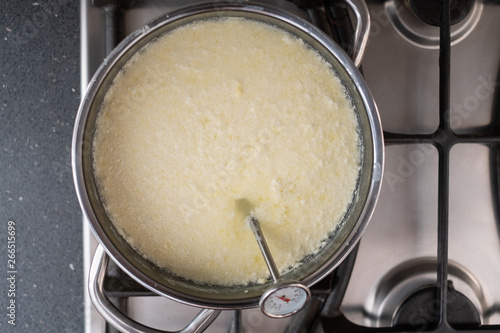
x: 430, y: 257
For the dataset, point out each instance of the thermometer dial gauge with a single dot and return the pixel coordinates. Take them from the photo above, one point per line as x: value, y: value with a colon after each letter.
x: 284, y: 299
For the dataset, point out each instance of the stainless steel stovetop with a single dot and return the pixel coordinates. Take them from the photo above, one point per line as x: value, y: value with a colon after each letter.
x: 398, y: 252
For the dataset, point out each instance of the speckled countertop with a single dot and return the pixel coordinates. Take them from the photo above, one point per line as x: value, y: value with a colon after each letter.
x: 39, y: 97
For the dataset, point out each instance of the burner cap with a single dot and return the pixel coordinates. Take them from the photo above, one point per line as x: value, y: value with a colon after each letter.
x: 421, y: 309
x: 417, y: 21
x: 428, y: 11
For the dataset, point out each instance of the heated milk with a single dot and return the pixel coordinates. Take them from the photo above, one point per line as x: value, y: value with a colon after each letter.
x: 218, y: 111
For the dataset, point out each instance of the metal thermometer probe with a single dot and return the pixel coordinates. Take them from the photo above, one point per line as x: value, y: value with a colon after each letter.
x: 283, y: 298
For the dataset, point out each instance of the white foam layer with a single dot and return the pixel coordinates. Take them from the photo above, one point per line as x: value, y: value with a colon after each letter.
x: 218, y: 111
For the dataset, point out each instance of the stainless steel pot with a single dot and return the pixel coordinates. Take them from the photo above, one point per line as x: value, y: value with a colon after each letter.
x: 216, y: 298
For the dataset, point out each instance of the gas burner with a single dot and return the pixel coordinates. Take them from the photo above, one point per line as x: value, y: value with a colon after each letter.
x: 421, y: 310
x: 401, y: 290
x: 417, y: 21
x: 428, y: 11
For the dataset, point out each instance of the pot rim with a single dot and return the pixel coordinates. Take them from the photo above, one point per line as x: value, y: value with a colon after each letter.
x: 223, y: 9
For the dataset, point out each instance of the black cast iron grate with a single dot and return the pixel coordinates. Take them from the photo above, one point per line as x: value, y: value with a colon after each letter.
x: 329, y: 293
x: 443, y: 139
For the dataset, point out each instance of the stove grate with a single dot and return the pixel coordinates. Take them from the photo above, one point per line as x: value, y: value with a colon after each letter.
x: 443, y: 139
x: 329, y: 294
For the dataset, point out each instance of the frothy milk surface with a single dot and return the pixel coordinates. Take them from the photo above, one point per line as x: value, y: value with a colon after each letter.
x: 218, y: 111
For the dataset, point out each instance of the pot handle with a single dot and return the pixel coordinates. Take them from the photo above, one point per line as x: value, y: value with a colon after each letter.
x: 360, y: 10
x: 119, y: 320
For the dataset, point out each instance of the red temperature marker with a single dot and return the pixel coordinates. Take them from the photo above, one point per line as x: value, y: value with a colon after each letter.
x: 284, y: 298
